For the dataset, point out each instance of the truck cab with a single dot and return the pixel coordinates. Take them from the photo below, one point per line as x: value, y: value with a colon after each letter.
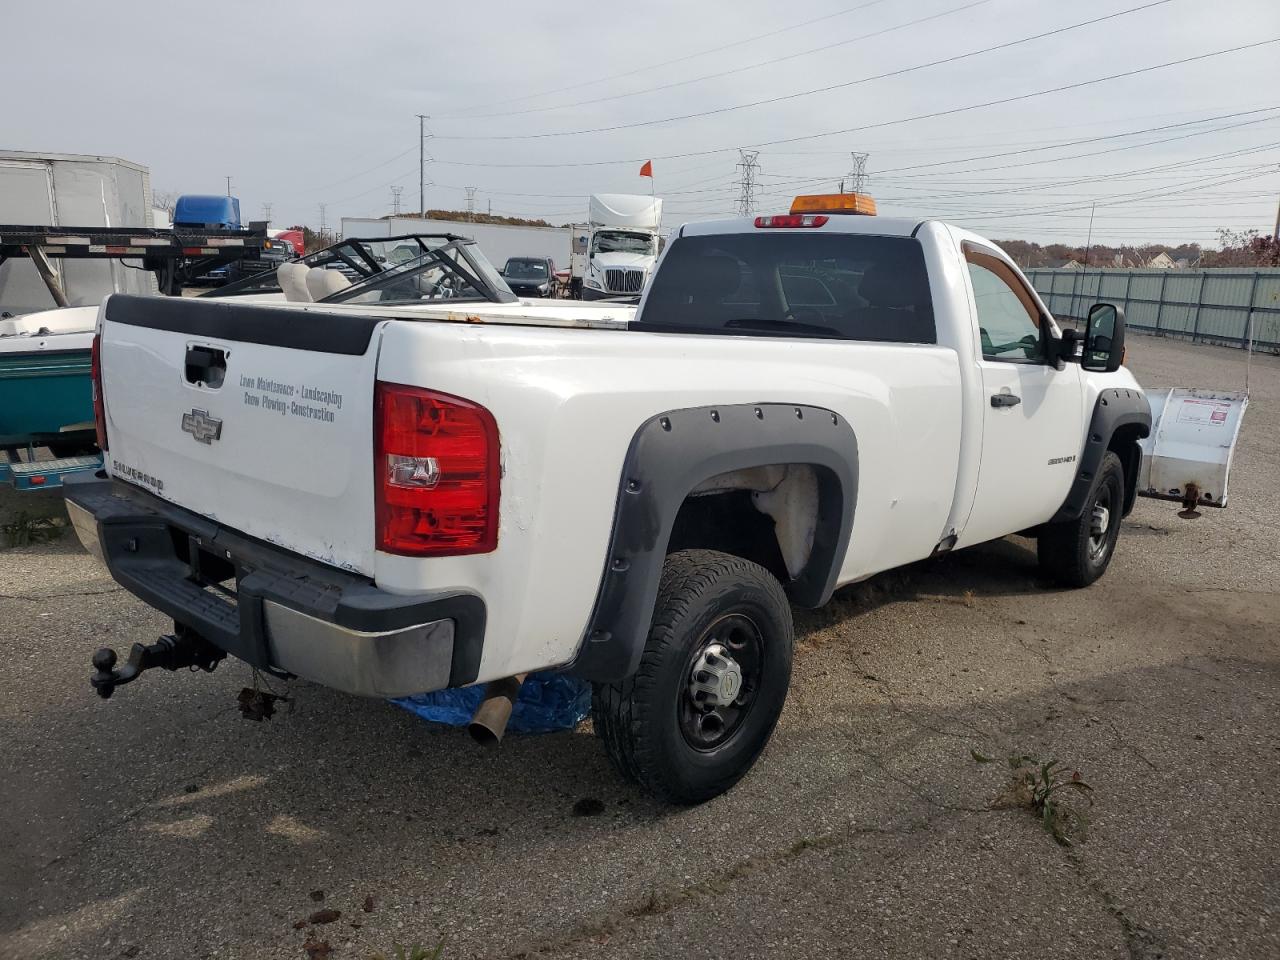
x: 622, y: 245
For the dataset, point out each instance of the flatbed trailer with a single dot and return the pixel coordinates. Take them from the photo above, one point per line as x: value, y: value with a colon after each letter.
x: 176, y: 255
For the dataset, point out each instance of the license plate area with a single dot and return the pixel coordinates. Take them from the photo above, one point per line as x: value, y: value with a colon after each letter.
x: 190, y: 579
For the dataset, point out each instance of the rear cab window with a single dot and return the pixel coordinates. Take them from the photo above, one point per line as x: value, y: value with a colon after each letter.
x: 793, y: 284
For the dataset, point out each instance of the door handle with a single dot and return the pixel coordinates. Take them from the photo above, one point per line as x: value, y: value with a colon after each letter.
x: 206, y: 365
x: 1005, y: 400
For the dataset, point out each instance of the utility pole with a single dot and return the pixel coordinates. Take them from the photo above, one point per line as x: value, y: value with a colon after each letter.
x: 471, y: 202
x: 266, y: 211
x: 1275, y: 236
x: 857, y: 173
x: 422, y: 164
x: 395, y: 200
x: 750, y: 169
x: 228, y: 186
x: 1088, y: 243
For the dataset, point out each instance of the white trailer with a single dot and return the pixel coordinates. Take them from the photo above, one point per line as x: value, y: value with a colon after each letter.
x: 498, y: 241
x: 72, y: 190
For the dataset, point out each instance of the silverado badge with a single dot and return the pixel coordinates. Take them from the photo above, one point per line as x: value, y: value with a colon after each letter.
x: 200, y: 425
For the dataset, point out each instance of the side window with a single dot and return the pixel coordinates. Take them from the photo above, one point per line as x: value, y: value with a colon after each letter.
x: 1008, y: 319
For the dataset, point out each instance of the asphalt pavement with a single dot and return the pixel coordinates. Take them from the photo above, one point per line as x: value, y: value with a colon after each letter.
x: 160, y: 824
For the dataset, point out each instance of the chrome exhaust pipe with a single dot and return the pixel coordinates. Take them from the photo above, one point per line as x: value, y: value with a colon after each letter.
x: 489, y: 722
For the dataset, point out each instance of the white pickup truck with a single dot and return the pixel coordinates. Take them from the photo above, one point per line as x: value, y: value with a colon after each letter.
x: 386, y: 492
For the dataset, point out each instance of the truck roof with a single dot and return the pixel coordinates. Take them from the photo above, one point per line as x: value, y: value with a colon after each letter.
x: 838, y: 223
x: 37, y: 155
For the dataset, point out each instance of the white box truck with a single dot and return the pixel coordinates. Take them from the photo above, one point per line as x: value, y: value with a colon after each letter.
x: 63, y: 189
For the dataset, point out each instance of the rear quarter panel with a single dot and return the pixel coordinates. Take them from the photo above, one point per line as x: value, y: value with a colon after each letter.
x: 568, y: 403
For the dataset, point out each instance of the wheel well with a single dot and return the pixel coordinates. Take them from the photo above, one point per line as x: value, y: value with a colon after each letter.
x: 1124, y: 444
x: 767, y: 514
x: 729, y: 522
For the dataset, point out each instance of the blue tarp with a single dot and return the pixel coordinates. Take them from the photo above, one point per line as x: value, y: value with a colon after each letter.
x: 548, y: 702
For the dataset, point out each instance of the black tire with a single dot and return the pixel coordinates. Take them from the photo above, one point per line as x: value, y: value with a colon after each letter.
x: 655, y: 731
x: 1075, y: 553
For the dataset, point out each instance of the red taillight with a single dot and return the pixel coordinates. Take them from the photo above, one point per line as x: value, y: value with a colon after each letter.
x: 95, y: 375
x: 435, y: 473
x: 793, y: 220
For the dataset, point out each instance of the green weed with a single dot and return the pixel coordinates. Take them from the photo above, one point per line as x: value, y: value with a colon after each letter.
x: 1056, y: 795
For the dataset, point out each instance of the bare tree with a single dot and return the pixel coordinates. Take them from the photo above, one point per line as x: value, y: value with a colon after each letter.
x: 165, y: 200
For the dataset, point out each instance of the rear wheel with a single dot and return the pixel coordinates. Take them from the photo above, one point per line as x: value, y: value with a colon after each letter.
x: 711, y: 683
x: 1077, y: 552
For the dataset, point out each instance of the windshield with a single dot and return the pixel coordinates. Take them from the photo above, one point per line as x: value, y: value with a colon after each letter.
x: 616, y: 241
x: 355, y: 259
x: 525, y: 270
x: 454, y: 271
x: 783, y: 283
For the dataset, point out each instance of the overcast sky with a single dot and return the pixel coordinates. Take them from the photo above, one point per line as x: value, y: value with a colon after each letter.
x: 310, y: 103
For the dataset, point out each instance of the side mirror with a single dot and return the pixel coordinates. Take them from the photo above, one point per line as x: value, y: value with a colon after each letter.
x: 1068, y: 349
x: 1103, y: 338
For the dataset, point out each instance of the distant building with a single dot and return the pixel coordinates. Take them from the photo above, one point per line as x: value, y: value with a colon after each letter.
x: 1063, y: 265
x: 1162, y: 261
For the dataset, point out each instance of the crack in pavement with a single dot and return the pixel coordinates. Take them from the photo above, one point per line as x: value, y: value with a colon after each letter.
x: 658, y: 902
x: 1141, y: 943
x: 27, y: 598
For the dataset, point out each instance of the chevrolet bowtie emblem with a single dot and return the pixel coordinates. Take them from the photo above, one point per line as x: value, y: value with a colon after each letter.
x: 200, y: 425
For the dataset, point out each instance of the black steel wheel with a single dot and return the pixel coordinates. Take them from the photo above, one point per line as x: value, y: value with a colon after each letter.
x: 711, y: 684
x: 1077, y: 552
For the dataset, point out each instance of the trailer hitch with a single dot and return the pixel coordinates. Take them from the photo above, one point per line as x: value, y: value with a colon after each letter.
x: 171, y: 651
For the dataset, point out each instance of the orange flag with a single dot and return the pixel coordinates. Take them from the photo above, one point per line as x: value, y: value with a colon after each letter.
x: 647, y: 169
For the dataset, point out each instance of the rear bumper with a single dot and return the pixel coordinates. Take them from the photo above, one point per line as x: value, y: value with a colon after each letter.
x: 274, y: 609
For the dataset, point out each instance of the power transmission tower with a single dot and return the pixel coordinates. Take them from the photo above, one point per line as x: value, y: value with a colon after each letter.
x: 749, y: 169
x: 395, y: 200
x: 857, y: 173
x: 322, y: 225
x: 266, y: 211
x: 471, y: 202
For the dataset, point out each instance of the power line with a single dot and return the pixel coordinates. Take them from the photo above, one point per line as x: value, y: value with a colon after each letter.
x: 1114, y: 136
x: 816, y: 90
x: 651, y: 67
x: 952, y: 111
x: 353, y: 176
x: 743, y: 69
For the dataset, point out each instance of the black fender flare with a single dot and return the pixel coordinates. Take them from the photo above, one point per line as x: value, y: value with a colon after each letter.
x: 673, y: 452
x: 1117, y: 409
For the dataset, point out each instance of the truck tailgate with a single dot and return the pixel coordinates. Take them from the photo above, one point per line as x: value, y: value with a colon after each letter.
x: 258, y: 418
